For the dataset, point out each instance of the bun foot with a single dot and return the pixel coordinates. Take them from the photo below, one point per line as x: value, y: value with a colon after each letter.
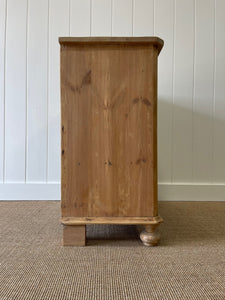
x: 149, y: 236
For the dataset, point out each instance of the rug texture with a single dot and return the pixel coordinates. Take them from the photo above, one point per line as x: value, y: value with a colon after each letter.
x: 188, y: 264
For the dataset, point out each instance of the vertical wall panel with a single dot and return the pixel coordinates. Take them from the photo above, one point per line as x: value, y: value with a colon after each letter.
x: 219, y: 112
x: 58, y: 26
x: 2, y: 85
x: 80, y: 17
x: 164, y: 23
x: 15, y: 91
x: 191, y: 89
x: 143, y: 17
x: 183, y: 91
x: 122, y: 18
x: 203, y: 92
x: 37, y: 90
x: 101, y: 18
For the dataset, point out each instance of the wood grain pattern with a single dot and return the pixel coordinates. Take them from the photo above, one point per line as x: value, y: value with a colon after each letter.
x: 147, y: 40
x: 149, y: 236
x: 109, y: 129
x: 111, y: 220
x: 74, y: 235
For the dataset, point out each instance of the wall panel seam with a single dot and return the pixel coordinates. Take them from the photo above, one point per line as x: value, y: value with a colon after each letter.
x: 195, y: 106
x: 91, y: 8
x: 111, y: 16
x: 47, y: 100
x: 133, y: 15
x: 173, y: 71
x: 26, y: 93
x: 5, y: 33
x: 69, y: 14
x: 48, y: 54
x: 154, y: 17
x: 214, y: 96
x: 193, y: 89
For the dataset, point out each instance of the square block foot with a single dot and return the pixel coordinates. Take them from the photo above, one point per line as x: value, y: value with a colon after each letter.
x: 74, y: 235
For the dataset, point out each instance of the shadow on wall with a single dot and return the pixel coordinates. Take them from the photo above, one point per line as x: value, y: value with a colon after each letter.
x: 191, y: 143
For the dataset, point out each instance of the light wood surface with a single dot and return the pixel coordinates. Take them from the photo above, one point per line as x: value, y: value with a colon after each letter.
x: 150, y: 237
x: 157, y: 42
x: 109, y: 130
x: 108, y: 220
x: 74, y: 235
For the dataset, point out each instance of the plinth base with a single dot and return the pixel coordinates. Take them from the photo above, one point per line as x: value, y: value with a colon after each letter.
x: 74, y: 232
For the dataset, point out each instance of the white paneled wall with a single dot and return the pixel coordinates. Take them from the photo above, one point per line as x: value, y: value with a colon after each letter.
x: 2, y: 86
x: 191, y: 89
x: 58, y: 25
x: 37, y: 91
x: 164, y: 28
x: 15, y: 99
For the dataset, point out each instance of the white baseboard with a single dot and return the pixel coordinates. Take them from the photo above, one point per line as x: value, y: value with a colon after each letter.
x: 191, y: 192
x: 30, y: 191
x: 167, y: 192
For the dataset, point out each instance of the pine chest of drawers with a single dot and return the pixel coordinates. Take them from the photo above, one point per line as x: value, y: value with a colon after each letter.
x: 109, y: 134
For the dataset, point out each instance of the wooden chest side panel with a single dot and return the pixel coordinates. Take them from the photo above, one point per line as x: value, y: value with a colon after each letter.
x: 108, y: 120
